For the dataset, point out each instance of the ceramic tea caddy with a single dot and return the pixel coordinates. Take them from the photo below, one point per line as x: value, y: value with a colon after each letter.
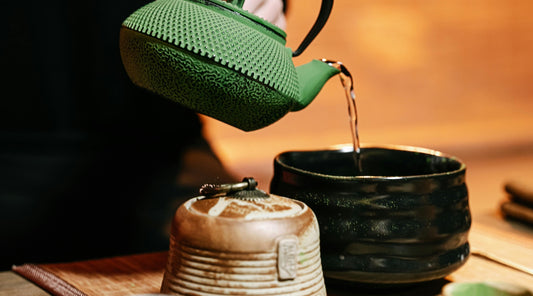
x: 237, y: 240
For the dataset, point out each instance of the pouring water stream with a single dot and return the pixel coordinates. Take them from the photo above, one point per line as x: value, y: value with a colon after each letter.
x: 347, y: 83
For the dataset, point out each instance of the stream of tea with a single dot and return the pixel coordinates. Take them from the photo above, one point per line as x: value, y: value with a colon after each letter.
x: 347, y: 84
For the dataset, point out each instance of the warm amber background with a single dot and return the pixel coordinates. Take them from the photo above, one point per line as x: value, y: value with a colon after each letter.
x: 450, y: 75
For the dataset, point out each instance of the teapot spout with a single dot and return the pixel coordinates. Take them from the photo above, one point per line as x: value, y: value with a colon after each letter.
x: 312, y: 77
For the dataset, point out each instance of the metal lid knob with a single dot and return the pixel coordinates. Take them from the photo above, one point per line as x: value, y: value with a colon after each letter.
x: 243, y: 190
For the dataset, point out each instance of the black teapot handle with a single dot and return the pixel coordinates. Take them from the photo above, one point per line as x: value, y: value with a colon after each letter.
x: 323, y: 15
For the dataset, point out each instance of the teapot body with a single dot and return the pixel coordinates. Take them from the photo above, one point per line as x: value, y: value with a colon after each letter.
x: 215, y: 58
x: 210, y: 61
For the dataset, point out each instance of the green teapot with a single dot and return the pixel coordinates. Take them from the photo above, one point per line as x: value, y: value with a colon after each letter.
x: 220, y: 60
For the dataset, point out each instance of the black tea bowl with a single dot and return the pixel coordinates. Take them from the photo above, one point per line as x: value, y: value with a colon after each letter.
x: 404, y: 219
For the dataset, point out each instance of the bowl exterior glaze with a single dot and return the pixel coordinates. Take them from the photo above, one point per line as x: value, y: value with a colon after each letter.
x: 407, y: 221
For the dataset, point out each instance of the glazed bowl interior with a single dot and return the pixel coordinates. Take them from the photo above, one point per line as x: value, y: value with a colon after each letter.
x: 384, y: 162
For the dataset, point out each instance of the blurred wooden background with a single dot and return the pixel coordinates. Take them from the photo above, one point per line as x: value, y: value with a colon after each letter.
x: 449, y: 75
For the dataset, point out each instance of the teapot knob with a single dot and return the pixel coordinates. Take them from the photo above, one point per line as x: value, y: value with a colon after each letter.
x: 245, y: 189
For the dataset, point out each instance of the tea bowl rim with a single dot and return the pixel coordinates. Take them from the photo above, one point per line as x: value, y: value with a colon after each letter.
x: 392, y: 147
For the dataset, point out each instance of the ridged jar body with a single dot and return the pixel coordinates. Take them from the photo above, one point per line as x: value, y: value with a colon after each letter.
x: 229, y: 246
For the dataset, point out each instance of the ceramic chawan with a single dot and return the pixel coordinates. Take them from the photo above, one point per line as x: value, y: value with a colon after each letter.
x: 404, y: 219
x: 245, y: 243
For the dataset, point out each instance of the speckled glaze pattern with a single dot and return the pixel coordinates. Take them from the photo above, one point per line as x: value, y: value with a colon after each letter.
x: 229, y: 246
x: 406, y: 219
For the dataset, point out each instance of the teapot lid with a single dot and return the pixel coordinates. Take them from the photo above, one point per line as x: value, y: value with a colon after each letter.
x: 235, y: 6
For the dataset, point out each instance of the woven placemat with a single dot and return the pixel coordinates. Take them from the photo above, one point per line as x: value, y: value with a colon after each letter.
x: 135, y: 274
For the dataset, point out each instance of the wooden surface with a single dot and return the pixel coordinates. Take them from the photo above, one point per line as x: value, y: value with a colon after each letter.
x: 13, y: 284
x: 498, y: 254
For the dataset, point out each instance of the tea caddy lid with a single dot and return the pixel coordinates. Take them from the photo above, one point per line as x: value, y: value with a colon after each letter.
x: 244, y: 202
x: 239, y: 217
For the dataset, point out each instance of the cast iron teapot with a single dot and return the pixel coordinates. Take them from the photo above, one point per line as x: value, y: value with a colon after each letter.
x: 220, y: 60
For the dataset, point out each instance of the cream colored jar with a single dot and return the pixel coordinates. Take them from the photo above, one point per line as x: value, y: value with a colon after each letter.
x: 244, y: 246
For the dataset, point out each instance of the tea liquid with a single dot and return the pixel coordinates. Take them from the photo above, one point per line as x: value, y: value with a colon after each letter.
x: 347, y: 84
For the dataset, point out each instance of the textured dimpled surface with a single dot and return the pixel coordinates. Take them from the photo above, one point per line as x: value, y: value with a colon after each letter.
x: 209, y: 31
x: 199, y: 84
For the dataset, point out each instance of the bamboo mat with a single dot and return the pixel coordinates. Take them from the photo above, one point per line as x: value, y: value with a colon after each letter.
x: 135, y: 274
